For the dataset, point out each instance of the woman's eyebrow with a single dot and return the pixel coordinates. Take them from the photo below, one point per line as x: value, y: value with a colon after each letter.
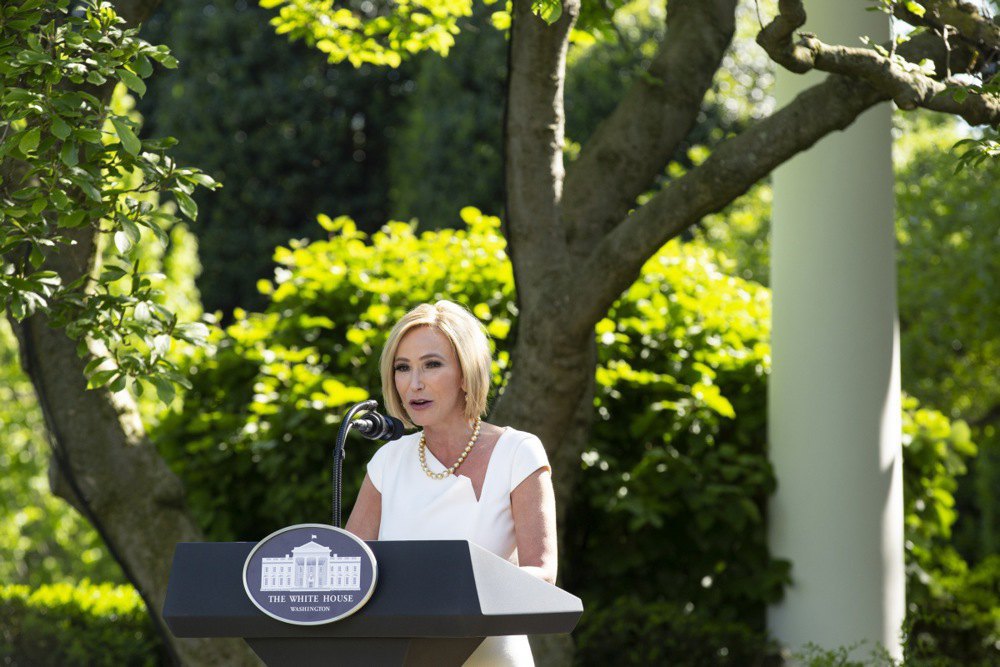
x: 426, y: 356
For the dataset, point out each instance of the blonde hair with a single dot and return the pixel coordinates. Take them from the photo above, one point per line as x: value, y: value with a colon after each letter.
x: 472, y: 347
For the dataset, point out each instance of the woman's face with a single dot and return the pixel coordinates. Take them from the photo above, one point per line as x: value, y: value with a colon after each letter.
x: 428, y: 377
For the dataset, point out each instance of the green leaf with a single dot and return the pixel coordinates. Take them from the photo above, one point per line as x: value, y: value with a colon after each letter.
x: 112, y: 272
x: 204, y: 180
x: 164, y: 388
x: 547, y: 10
x: 88, y: 134
x: 101, y: 378
x: 60, y: 128
x: 122, y: 242
x: 72, y: 219
x: 187, y: 205
x: 29, y: 140
x: 69, y: 154
x: 127, y: 136
x: 915, y: 8
x: 133, y: 82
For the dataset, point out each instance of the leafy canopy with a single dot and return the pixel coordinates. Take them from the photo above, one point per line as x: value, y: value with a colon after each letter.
x: 73, y: 168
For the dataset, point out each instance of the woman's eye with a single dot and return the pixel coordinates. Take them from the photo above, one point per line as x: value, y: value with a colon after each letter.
x: 401, y: 368
x: 433, y: 364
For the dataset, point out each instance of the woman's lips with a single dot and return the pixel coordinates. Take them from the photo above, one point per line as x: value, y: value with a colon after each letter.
x: 420, y: 405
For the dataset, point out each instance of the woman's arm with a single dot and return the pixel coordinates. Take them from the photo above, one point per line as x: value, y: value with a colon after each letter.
x: 533, y: 505
x: 366, y: 517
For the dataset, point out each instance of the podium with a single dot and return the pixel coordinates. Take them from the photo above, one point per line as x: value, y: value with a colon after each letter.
x: 434, y: 603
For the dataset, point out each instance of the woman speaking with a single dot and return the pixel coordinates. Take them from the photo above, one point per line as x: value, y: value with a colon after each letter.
x: 458, y: 478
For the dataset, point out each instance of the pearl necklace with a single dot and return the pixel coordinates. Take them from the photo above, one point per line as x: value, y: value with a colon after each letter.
x: 422, y: 449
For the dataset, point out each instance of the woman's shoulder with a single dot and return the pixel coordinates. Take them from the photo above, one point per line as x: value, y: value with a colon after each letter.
x: 518, y: 444
x: 516, y: 437
x: 523, y: 454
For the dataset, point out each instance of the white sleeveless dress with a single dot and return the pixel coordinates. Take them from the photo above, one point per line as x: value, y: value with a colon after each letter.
x: 417, y: 507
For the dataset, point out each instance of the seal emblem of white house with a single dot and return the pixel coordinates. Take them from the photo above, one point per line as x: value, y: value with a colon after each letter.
x: 310, y: 574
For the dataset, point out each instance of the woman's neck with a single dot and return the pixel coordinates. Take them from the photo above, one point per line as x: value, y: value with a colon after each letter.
x: 447, y: 441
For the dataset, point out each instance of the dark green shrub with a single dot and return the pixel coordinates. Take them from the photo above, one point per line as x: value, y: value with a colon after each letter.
x: 632, y: 632
x: 954, y: 614
x: 676, y: 479
x: 287, y: 134
x: 87, y: 625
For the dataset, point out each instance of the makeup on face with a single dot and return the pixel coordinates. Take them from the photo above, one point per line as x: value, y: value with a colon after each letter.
x: 428, y: 377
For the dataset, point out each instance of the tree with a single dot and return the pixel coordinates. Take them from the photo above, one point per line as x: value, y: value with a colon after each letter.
x: 578, y: 236
x: 77, y: 183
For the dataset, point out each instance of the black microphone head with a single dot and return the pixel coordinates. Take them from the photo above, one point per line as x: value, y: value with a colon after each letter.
x: 375, y: 426
x: 396, y: 431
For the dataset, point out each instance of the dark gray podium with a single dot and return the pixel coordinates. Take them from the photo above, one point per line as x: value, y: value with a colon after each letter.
x: 434, y: 603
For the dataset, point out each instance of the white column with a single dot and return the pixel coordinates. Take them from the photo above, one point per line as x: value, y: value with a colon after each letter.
x: 834, y: 397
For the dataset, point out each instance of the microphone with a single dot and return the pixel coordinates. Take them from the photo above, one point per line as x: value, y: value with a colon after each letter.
x: 375, y: 426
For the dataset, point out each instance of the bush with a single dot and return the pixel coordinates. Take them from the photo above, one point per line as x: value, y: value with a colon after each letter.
x: 88, y: 625
x: 633, y: 632
x: 954, y: 614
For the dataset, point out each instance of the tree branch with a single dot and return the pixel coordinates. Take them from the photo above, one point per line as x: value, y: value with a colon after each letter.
x: 534, y: 125
x: 631, y: 146
x: 963, y: 18
x: 730, y: 171
x: 899, y: 78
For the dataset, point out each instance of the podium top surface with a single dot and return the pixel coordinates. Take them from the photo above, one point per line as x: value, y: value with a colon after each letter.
x: 433, y: 588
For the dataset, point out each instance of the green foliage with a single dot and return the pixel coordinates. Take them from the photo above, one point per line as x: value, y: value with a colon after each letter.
x: 845, y: 656
x: 44, y: 539
x: 953, y: 617
x: 936, y: 451
x: 86, y: 626
x: 293, y: 135
x: 741, y: 233
x: 456, y: 105
x: 376, y: 33
x: 947, y: 232
x: 683, y: 359
x: 952, y: 611
x: 632, y: 632
x: 69, y: 162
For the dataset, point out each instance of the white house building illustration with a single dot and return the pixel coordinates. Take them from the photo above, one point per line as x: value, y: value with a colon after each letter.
x: 311, y: 567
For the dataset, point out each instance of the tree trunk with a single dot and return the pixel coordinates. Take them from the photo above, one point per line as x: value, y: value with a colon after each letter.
x: 104, y: 466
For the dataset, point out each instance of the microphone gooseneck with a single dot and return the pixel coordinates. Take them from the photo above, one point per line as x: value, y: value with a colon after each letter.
x: 373, y: 426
